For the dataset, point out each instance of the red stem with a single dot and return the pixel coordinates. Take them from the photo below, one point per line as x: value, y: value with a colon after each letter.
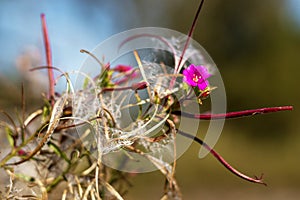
x: 49, y: 58
x: 190, y: 34
x: 187, y: 42
x: 222, y: 160
x: 237, y: 114
x: 134, y: 86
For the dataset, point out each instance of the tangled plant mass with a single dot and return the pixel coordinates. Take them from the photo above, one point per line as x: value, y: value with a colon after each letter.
x: 125, y: 119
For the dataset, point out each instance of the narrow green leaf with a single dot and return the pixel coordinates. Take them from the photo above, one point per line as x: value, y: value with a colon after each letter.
x: 25, y: 177
x: 85, y: 83
x: 9, y: 135
x: 46, y: 113
x: 57, y: 150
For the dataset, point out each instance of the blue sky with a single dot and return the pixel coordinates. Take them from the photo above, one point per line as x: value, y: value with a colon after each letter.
x: 72, y: 25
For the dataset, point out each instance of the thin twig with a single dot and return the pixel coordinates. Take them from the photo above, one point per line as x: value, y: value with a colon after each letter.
x: 55, y: 118
x: 10, y: 120
x: 49, y: 59
x: 189, y: 35
x: 23, y: 113
x: 236, y: 114
x: 222, y: 160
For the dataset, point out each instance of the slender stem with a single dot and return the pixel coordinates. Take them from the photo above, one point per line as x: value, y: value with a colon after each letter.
x: 236, y: 114
x: 104, y: 67
x: 93, y: 56
x: 134, y: 86
x: 192, y: 29
x: 190, y: 35
x: 23, y: 114
x: 49, y: 58
x: 54, y: 120
x: 138, y: 60
x: 222, y: 160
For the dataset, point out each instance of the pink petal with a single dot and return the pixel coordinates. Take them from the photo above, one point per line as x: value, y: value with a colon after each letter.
x: 203, y: 72
x: 189, y: 81
x: 203, y: 85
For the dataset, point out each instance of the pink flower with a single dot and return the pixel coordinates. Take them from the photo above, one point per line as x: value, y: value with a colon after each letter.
x: 128, y: 72
x: 122, y: 68
x: 196, y: 76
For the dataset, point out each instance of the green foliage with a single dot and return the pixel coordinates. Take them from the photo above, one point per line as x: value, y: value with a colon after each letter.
x: 105, y: 79
x: 10, y: 136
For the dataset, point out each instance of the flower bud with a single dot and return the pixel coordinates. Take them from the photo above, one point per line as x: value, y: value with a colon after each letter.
x: 139, y: 86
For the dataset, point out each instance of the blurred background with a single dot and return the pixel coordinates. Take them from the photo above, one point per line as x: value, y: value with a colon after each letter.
x: 255, y: 44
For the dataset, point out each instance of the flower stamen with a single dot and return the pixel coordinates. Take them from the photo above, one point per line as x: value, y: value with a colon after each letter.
x: 197, y: 76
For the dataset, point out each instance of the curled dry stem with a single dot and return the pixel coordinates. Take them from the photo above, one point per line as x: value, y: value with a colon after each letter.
x: 222, y: 160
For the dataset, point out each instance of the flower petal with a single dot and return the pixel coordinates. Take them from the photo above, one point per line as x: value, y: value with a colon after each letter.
x: 189, y: 81
x: 203, y: 85
x: 196, y: 76
x: 203, y: 72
